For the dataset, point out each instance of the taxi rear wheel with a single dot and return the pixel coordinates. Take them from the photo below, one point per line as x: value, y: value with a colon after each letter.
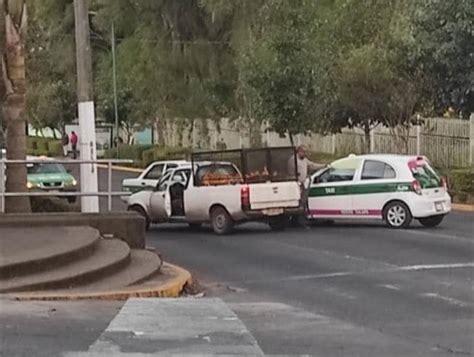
x: 397, y: 215
x: 431, y: 222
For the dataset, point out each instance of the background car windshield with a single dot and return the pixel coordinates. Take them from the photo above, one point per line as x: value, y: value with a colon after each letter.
x: 46, y: 169
x: 155, y: 172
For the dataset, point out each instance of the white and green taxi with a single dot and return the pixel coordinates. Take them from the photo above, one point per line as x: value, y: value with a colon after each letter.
x: 394, y: 188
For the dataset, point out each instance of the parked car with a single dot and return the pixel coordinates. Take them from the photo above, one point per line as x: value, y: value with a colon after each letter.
x: 149, y: 178
x: 223, y: 193
x: 394, y: 188
x: 50, y: 176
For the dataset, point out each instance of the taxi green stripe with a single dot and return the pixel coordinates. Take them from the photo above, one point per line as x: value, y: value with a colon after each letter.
x: 362, y: 189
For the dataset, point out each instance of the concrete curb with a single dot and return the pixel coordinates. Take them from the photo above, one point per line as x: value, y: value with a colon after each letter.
x: 170, y: 288
x: 462, y: 207
x: 121, y: 168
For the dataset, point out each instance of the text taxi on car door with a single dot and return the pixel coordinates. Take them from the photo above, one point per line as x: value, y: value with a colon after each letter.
x: 394, y: 188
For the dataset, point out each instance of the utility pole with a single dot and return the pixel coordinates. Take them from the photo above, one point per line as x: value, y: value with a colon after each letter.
x: 114, y: 80
x: 87, y: 142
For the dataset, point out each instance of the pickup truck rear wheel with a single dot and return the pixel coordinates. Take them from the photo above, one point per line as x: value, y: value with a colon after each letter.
x: 221, y: 221
x: 279, y: 224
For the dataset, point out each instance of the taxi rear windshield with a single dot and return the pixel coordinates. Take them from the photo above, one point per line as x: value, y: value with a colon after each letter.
x: 426, y: 175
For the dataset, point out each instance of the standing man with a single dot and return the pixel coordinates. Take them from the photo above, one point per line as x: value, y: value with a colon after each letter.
x: 304, y: 167
x: 303, y: 164
x: 74, y: 140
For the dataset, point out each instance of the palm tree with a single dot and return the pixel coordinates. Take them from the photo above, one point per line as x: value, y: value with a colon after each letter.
x: 13, y: 23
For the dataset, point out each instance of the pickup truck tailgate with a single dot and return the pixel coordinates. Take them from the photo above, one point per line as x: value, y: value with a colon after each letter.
x: 274, y: 195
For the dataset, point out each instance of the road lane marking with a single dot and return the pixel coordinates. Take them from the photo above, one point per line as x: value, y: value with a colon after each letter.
x: 407, y: 268
x: 449, y: 300
x: 389, y: 286
x: 442, y: 236
x: 436, y: 266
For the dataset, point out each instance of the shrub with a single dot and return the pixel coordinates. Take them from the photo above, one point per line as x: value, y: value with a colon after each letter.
x: 148, y: 157
x: 52, y: 204
x: 55, y: 148
x: 322, y: 158
x: 127, y: 152
x: 42, y: 144
x: 461, y: 183
x: 44, y: 147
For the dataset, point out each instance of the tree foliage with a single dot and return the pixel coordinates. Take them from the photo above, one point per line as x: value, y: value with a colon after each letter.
x: 298, y: 65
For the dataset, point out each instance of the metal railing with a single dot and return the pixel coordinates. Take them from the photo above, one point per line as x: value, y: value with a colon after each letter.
x: 108, y: 164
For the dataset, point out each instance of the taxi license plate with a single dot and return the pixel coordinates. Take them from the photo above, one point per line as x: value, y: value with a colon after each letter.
x: 273, y: 211
x: 439, y: 206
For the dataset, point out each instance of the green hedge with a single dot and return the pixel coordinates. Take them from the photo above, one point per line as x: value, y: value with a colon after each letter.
x: 143, y: 155
x: 37, y: 146
x: 127, y: 152
x: 322, y: 158
x: 165, y: 153
x: 461, y: 184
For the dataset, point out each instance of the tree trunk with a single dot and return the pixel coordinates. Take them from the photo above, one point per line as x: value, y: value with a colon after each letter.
x: 292, y: 139
x: 160, y: 131
x: 13, y: 108
x: 367, y: 137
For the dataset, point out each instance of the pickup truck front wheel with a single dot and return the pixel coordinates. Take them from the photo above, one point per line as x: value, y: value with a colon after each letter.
x: 221, y: 221
x: 142, y: 213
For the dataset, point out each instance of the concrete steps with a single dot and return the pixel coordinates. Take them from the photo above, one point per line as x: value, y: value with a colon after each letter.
x: 142, y: 267
x: 70, y: 260
x: 31, y: 249
x: 107, y: 257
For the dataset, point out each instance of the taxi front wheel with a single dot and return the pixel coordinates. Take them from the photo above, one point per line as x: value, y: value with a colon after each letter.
x: 397, y: 215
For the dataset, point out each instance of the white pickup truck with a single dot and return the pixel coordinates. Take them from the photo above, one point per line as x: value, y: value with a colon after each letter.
x: 219, y: 193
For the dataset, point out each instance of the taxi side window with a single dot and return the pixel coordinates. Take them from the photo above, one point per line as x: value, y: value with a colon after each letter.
x: 376, y: 170
x: 337, y: 175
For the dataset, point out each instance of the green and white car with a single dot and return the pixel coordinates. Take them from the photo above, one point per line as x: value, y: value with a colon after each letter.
x: 394, y: 188
x: 50, y: 176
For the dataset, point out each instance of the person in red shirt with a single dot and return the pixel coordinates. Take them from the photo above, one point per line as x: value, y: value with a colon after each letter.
x: 74, y: 139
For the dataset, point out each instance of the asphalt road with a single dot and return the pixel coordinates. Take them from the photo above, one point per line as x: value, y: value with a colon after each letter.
x: 348, y: 289
x: 117, y: 177
x: 343, y: 290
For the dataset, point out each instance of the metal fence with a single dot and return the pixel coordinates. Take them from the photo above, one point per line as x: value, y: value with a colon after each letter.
x: 447, y: 142
x: 108, y: 164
